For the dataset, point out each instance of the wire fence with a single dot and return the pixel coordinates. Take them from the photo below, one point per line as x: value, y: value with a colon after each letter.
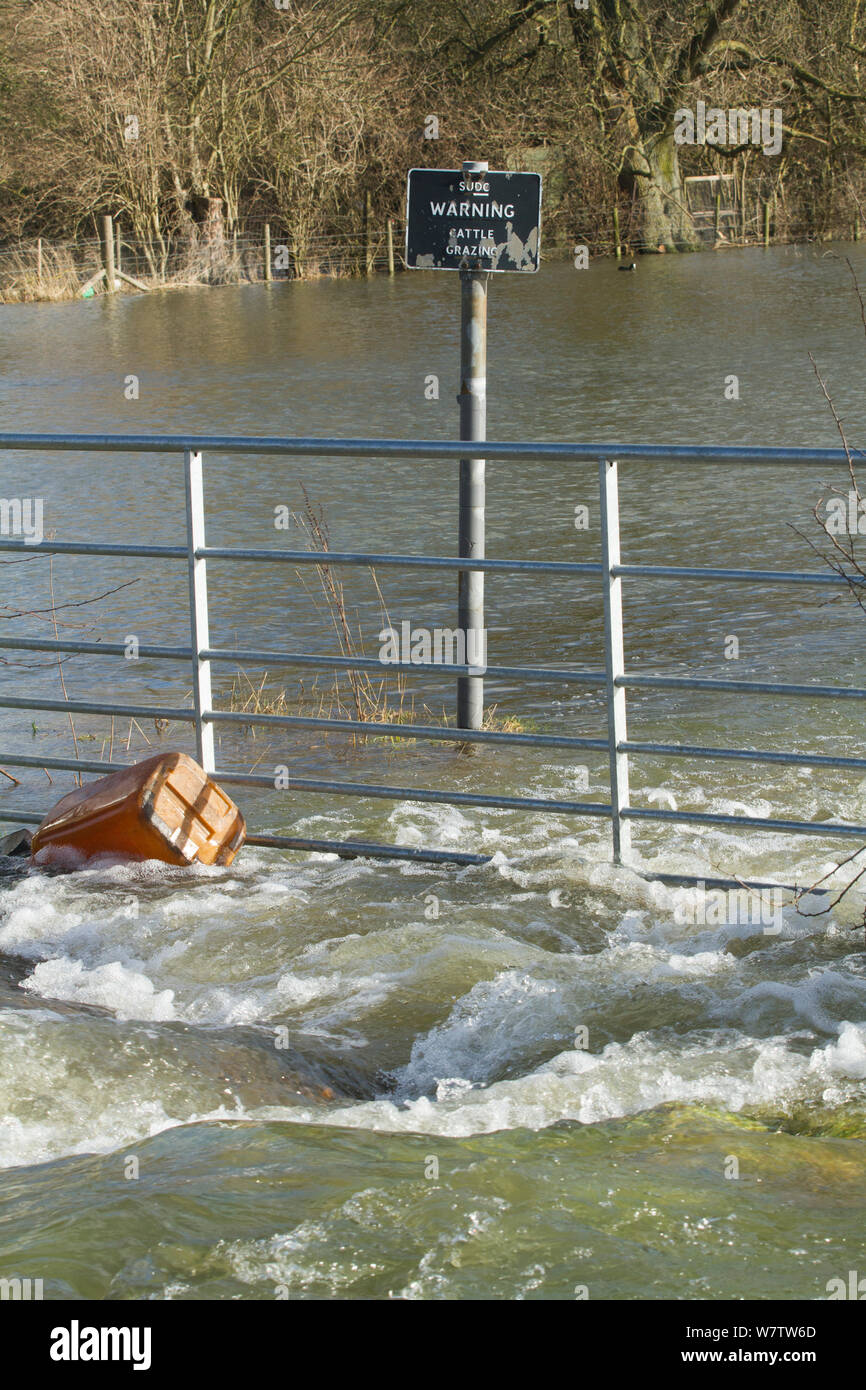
x: 41, y: 268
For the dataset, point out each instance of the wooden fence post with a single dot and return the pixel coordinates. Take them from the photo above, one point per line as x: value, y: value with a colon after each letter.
x: 368, y: 254
x: 108, y: 252
x: 268, y: 275
x: 743, y: 202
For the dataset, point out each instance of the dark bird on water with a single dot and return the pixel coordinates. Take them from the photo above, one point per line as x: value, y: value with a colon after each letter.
x: 631, y: 266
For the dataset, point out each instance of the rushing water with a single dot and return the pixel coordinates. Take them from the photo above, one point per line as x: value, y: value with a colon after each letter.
x: 515, y: 1080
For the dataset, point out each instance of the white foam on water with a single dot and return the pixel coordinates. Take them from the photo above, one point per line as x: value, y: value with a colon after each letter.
x: 127, y: 992
x: 624, y: 1079
x: 845, y: 1058
x: 292, y: 1260
x: 59, y: 1096
x: 548, y: 938
x: 820, y: 1001
x: 302, y: 1258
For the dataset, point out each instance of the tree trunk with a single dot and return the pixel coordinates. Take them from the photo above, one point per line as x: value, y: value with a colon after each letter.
x: 652, y: 170
x: 214, y: 241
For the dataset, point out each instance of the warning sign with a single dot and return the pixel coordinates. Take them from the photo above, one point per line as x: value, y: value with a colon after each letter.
x: 472, y: 221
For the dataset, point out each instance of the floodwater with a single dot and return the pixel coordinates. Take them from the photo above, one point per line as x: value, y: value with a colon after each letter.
x: 542, y: 1077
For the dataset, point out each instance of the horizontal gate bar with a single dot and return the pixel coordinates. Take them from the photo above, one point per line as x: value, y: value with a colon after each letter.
x: 362, y: 789
x: 93, y: 707
x: 46, y: 644
x: 369, y: 663
x: 254, y: 657
x: 155, y: 552
x: 446, y: 562
x: 301, y: 557
x: 531, y: 673
x: 686, y: 750
x: 516, y: 451
x: 383, y: 793
x: 802, y: 827
x: 443, y: 733
x: 840, y: 692
x: 359, y: 849
x: 382, y: 560
x: 345, y: 849
x: 449, y: 798
x: 62, y: 764
x: 744, y: 576
x: 272, y: 658
x: 753, y: 884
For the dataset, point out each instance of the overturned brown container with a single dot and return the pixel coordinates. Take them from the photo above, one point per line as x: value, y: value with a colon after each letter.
x: 164, y: 808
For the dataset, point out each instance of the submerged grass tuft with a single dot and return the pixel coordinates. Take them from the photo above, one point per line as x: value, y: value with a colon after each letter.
x: 358, y: 696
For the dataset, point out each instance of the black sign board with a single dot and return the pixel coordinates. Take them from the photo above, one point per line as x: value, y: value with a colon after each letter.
x: 472, y: 221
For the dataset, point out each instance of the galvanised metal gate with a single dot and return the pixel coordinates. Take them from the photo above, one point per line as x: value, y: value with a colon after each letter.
x: 614, y: 678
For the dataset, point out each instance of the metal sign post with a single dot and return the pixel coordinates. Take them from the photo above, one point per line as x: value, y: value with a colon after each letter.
x: 480, y: 223
x: 471, y: 526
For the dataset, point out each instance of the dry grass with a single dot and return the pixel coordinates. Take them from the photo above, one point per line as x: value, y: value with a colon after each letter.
x: 204, y: 264
x: 349, y: 694
x: 193, y: 263
x: 355, y: 695
x: 21, y: 282
x: 329, y: 702
x: 333, y: 700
